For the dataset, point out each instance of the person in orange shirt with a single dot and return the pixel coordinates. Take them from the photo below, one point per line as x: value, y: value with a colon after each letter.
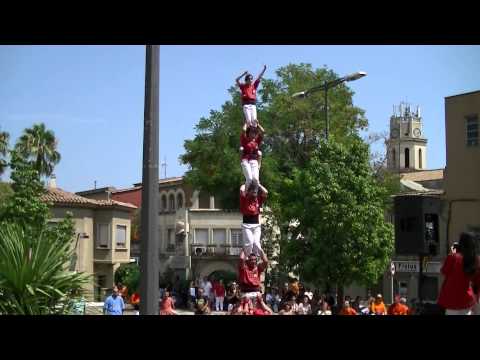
x: 347, y: 309
x: 378, y: 307
x: 398, y: 308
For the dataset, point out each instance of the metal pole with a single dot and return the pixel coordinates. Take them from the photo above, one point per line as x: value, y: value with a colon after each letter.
x: 149, y: 263
x: 326, y: 112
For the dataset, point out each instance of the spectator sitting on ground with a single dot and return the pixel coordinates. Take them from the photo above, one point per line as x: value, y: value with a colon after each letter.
x: 234, y: 307
x: 293, y: 304
x: 261, y: 308
x: 356, y: 304
x: 347, y: 309
x: 378, y: 307
x: 167, y: 305
x: 287, y: 309
x: 304, y: 308
x: 397, y: 308
x: 201, y: 303
x: 246, y: 306
x: 324, y: 310
x: 232, y: 297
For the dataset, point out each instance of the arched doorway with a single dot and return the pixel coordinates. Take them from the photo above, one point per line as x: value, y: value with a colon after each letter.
x: 220, y: 267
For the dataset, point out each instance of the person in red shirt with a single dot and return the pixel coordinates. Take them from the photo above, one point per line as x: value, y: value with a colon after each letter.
x: 249, y: 273
x: 167, y: 305
x: 251, y: 156
x: 260, y: 308
x: 219, y: 291
x: 249, y: 97
x: 347, y: 309
x: 398, y: 307
x: 460, y: 268
x: 250, y: 204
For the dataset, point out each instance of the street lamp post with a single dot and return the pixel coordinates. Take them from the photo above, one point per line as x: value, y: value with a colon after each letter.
x: 328, y: 85
x: 149, y: 228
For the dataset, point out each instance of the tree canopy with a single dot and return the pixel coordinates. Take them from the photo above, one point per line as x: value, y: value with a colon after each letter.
x: 330, y: 190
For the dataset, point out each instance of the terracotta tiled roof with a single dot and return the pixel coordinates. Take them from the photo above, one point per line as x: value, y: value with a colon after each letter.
x: 126, y: 190
x: 164, y: 181
x: 425, y: 175
x: 59, y: 196
x: 115, y: 203
x: 171, y: 179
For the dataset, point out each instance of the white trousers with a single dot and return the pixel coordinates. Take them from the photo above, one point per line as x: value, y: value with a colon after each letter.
x: 251, y: 238
x: 250, y: 113
x: 219, y: 303
x: 251, y: 172
x: 459, y: 312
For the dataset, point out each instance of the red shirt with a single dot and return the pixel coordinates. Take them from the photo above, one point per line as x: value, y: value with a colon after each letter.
x: 398, y: 309
x: 260, y: 312
x: 251, y: 205
x: 349, y: 311
x: 456, y: 291
x: 250, y: 147
x: 249, y: 92
x: 219, y: 290
x: 249, y: 279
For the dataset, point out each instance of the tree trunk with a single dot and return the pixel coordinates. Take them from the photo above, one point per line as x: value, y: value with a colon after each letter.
x: 340, y: 297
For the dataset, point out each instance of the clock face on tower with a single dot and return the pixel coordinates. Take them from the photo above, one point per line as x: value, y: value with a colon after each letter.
x: 394, y: 133
x: 417, y: 132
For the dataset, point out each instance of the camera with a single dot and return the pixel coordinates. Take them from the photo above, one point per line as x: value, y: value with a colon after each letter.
x: 455, y: 246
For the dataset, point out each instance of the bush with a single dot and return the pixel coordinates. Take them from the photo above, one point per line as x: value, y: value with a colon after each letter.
x: 128, y: 275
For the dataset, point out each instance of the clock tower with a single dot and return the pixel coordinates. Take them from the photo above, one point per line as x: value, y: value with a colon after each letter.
x: 406, y: 146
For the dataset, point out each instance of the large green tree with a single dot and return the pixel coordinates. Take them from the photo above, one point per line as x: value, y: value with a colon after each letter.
x: 39, y: 145
x: 341, y: 235
x: 294, y: 138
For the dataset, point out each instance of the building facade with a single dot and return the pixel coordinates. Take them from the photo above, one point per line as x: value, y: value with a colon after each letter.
x: 462, y: 180
x: 102, y: 236
x: 197, y: 238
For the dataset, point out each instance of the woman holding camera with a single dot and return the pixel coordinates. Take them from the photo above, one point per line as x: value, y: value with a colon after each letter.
x: 460, y: 269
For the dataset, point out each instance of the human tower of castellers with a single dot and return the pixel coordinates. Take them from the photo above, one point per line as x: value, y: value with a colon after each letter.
x: 252, y: 196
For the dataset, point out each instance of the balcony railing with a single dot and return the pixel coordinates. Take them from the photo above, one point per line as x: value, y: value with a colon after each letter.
x: 198, y: 250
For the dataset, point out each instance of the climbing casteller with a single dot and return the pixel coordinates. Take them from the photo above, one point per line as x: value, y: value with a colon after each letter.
x: 250, y: 205
x: 249, y: 273
x: 251, y: 156
x: 249, y: 97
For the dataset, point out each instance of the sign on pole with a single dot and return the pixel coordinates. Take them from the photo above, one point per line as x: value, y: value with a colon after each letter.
x: 392, y: 268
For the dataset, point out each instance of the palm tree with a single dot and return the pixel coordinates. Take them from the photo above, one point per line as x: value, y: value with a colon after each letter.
x: 4, y: 136
x: 34, y: 276
x: 39, y: 145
